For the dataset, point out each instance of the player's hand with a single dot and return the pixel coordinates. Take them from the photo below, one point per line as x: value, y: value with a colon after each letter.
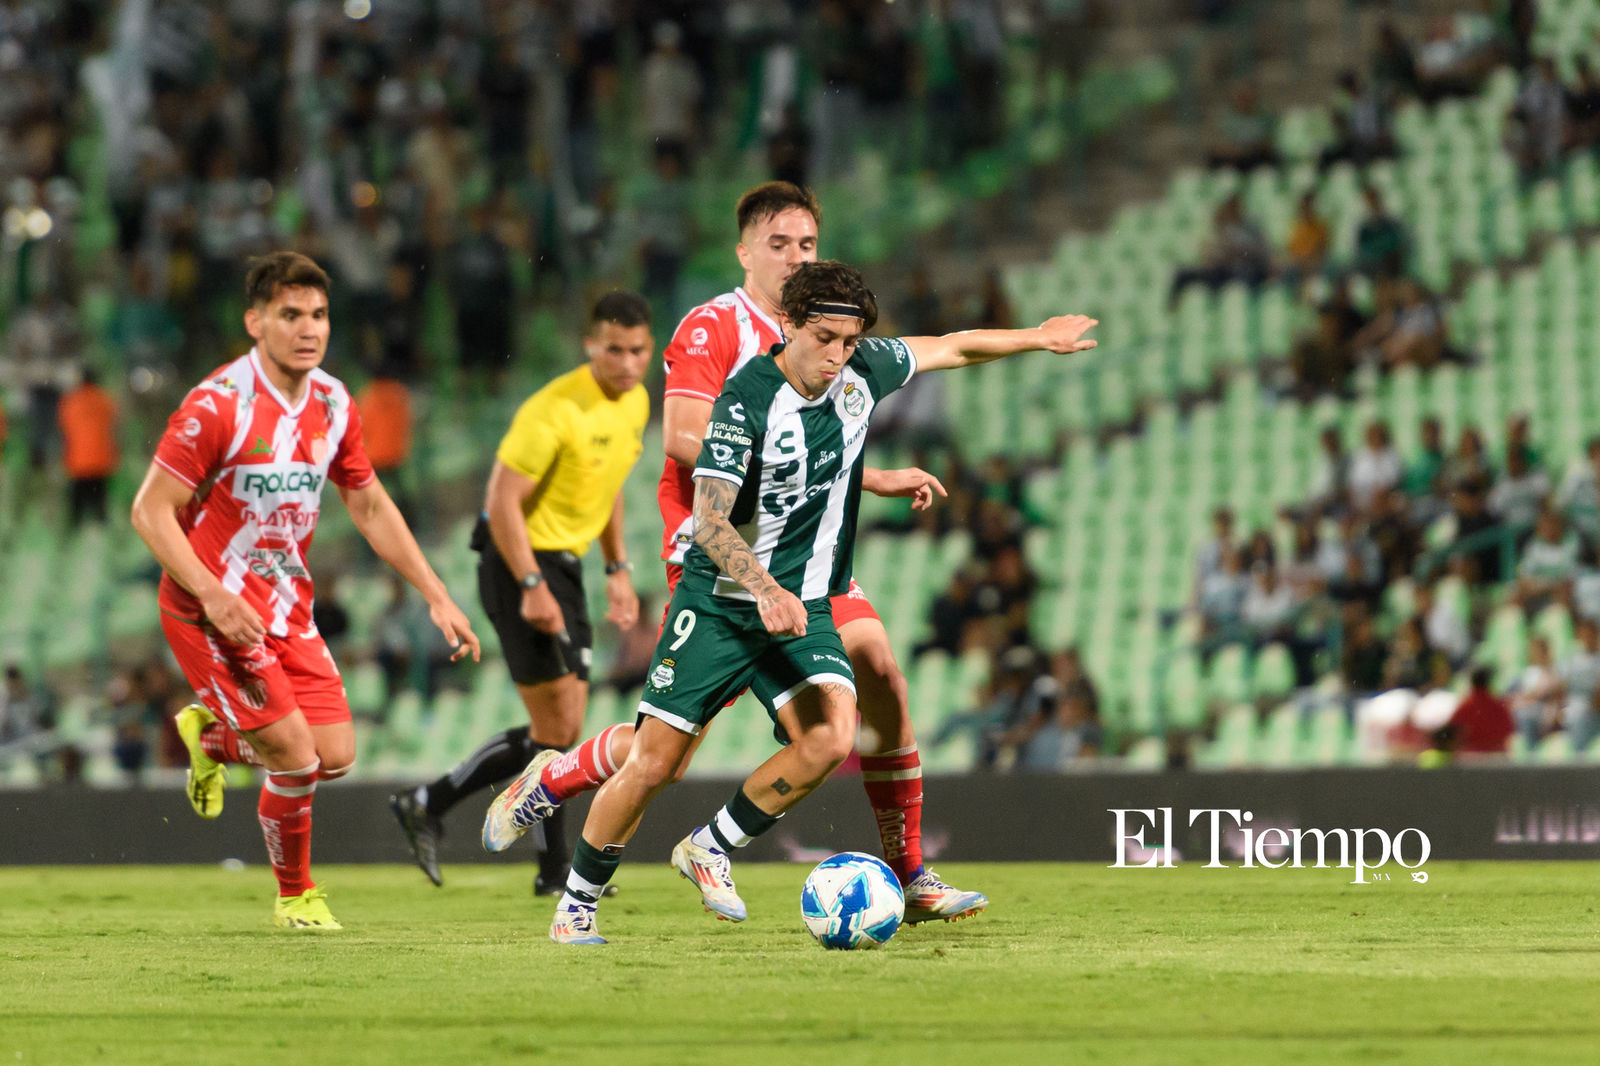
x: 456, y: 629
x: 913, y: 482
x: 541, y: 611
x: 782, y: 612
x: 233, y: 617
x: 622, y: 603
x: 1061, y: 334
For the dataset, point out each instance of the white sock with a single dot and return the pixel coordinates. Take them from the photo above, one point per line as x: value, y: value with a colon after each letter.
x: 702, y: 838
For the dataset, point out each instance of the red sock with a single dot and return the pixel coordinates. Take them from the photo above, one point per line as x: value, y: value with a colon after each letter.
x: 285, y: 814
x: 587, y: 766
x: 894, y: 788
x: 224, y: 745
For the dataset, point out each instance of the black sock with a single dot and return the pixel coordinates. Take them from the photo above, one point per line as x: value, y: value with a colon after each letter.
x: 501, y: 756
x: 554, y: 858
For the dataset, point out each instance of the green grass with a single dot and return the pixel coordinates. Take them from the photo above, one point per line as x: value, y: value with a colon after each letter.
x: 134, y: 965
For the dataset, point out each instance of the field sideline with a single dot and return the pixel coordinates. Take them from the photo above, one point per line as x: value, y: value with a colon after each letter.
x: 137, y: 965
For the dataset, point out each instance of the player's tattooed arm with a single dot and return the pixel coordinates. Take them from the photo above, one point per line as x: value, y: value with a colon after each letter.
x: 714, y: 532
x: 781, y: 610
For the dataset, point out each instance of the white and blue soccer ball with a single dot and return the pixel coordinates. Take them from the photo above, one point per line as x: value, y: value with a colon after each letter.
x: 852, y: 900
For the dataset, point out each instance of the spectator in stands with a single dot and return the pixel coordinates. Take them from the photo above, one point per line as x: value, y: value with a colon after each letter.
x: 19, y: 712
x: 1409, y: 662
x: 1450, y: 63
x: 1580, y: 681
x: 505, y: 93
x: 1548, y: 564
x: 1331, y: 481
x: 130, y: 747
x: 43, y: 344
x: 1583, y: 105
x: 1308, y: 240
x: 949, y: 616
x: 1361, y: 123
x: 1520, y: 493
x: 1361, y: 663
x: 1321, y: 360
x: 1394, y: 69
x: 1482, y: 722
x: 1579, y: 496
x: 921, y: 310
x: 1375, y: 468
x: 1360, y: 581
x: 384, y: 404
x: 664, y: 220
x: 1382, y: 244
x: 1208, y: 560
x: 1536, y: 123
x: 1519, y: 438
x: 90, y: 452
x: 1483, y: 554
x: 1011, y: 698
x: 1222, y: 596
x: 479, y: 271
x: 1068, y: 726
x: 1394, y: 531
x: 143, y: 330
x: 1269, y: 609
x: 1469, y: 466
x: 1443, y: 628
x: 1424, y: 480
x: 994, y: 306
x: 789, y: 148
x: 670, y: 91
x: 1302, y: 574
x: 1586, y: 585
x: 1536, y: 695
x: 1236, y: 251
x: 1260, y: 549
x: 1245, y: 133
x: 1409, y: 328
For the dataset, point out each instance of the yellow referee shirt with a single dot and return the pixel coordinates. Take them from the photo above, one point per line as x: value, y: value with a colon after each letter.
x: 579, y: 446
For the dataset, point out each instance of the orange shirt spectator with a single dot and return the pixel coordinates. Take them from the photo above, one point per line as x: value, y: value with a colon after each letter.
x: 385, y: 407
x: 88, y: 419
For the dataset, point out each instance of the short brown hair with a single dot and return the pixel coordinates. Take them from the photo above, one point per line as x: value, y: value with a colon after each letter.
x: 774, y: 198
x: 827, y: 281
x: 276, y: 270
x: 621, y: 308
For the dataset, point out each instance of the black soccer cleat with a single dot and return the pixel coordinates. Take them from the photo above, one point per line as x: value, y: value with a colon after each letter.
x: 422, y: 832
x: 541, y: 887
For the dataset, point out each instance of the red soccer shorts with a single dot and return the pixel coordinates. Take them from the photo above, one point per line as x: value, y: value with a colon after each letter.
x: 852, y: 607
x: 253, y: 687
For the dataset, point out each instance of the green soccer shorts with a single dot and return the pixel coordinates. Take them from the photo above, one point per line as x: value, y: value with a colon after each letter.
x: 712, y: 648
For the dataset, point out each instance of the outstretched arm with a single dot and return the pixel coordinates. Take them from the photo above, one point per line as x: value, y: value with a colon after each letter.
x: 380, y: 521
x: 912, y: 481
x: 781, y: 610
x: 1061, y: 335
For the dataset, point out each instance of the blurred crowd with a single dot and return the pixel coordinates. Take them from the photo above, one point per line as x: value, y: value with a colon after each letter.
x: 1401, y: 573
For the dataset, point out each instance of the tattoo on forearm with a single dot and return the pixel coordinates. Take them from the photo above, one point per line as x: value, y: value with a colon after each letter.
x: 714, y: 532
x: 782, y: 787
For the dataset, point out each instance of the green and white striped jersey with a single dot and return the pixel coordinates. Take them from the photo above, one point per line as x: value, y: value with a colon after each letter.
x: 798, y: 464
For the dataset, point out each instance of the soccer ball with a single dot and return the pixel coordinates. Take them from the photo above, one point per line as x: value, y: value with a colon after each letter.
x: 852, y: 900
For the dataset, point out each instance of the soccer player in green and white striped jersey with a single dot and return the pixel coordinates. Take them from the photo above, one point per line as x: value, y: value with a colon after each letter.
x: 776, y: 494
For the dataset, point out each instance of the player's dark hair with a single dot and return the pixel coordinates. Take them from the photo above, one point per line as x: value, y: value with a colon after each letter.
x: 622, y: 308
x: 774, y: 198
x: 276, y: 270
x: 824, y: 282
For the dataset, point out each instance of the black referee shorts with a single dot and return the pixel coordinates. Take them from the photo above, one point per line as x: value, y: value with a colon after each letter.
x: 533, y: 656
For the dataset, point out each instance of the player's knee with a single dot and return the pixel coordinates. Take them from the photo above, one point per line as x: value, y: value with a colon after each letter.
x: 877, y: 672
x: 825, y: 745
x: 653, y: 769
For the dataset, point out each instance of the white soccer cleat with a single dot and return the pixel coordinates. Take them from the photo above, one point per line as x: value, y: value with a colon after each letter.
x: 523, y: 805
x: 712, y: 875
x: 929, y: 899
x: 575, y: 925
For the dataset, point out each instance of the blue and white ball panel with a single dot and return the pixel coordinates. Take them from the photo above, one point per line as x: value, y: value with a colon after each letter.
x: 852, y: 900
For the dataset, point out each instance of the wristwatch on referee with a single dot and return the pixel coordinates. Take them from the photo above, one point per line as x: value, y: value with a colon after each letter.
x: 532, y: 580
x: 618, y: 566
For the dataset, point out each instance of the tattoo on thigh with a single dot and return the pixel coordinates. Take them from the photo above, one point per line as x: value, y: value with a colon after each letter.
x: 782, y: 787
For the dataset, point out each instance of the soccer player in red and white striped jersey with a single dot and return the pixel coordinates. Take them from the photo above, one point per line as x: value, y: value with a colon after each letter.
x: 228, y: 508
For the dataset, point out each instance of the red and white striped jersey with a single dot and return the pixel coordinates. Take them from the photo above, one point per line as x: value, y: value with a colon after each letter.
x: 714, y: 340
x: 257, y: 465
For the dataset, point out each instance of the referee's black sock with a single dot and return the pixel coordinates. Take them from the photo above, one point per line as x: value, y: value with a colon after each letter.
x: 500, y: 757
x: 554, y: 859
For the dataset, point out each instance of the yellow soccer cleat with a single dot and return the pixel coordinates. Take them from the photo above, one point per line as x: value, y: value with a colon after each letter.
x: 308, y: 910
x: 206, y: 775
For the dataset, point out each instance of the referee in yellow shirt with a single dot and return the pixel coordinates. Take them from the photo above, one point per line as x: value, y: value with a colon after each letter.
x: 556, y: 486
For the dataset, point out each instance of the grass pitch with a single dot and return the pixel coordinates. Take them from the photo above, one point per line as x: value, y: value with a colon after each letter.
x: 136, y: 965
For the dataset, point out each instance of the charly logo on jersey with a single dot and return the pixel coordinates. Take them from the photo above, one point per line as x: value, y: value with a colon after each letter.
x: 278, y: 479
x: 855, y: 400
x: 664, y: 674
